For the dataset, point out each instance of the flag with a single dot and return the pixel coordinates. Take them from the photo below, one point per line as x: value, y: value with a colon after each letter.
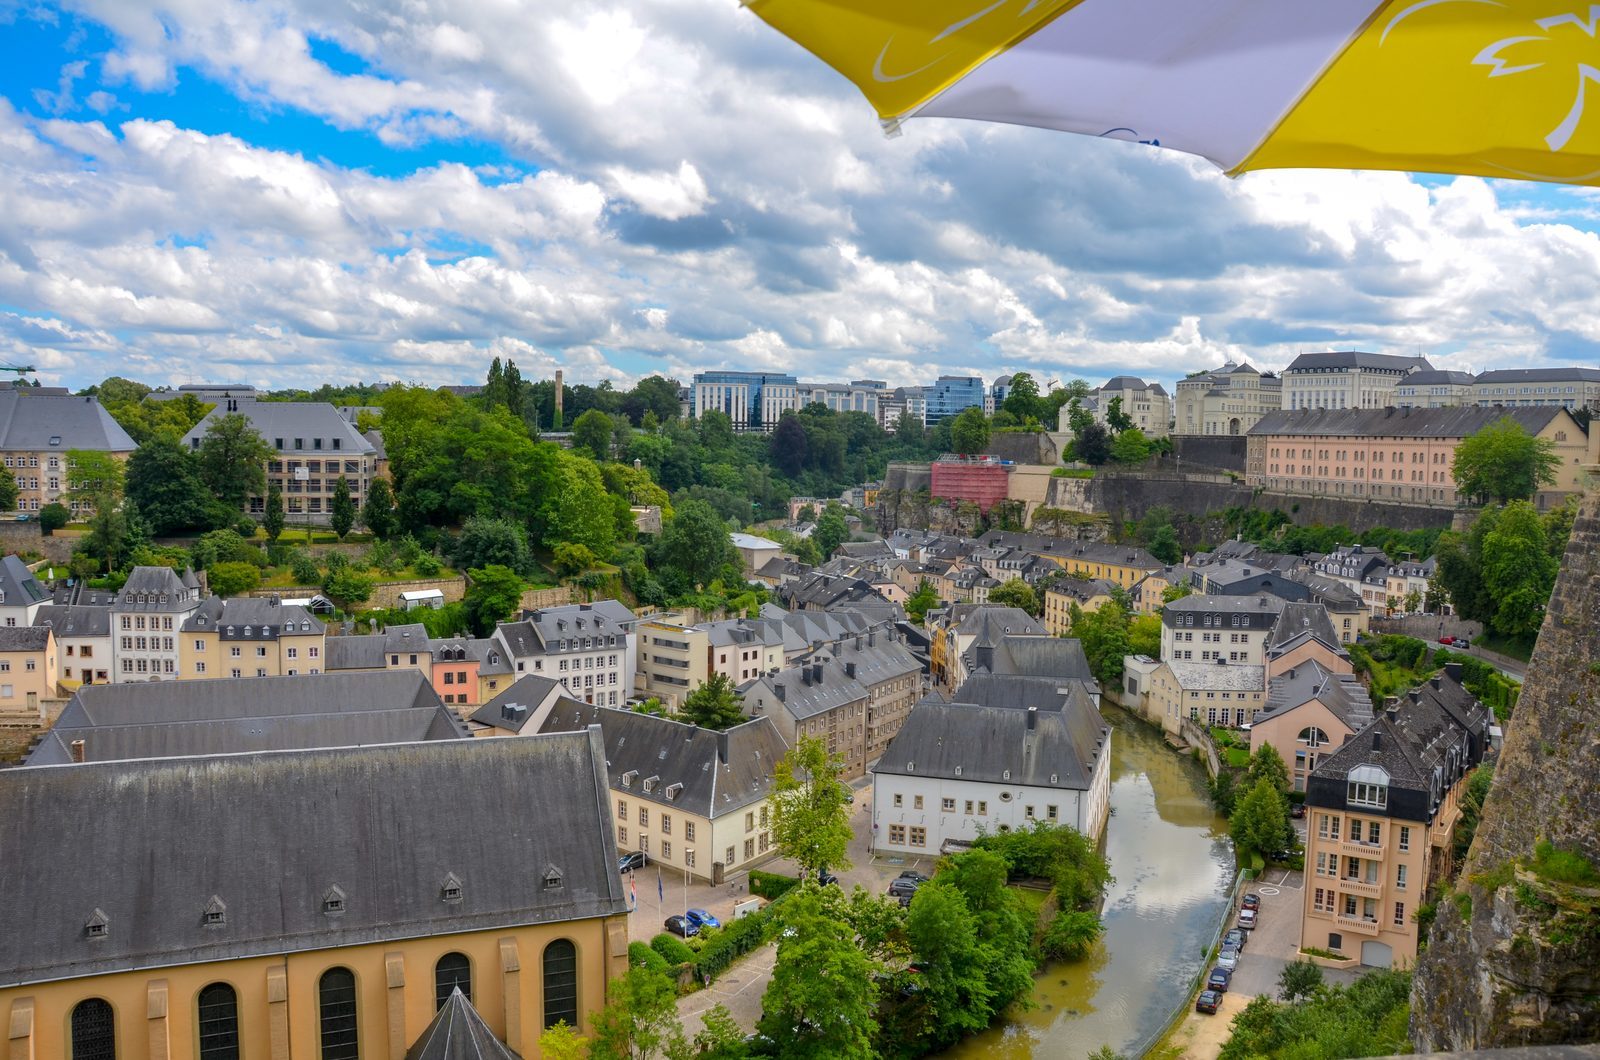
x: 633, y: 893
x: 661, y: 891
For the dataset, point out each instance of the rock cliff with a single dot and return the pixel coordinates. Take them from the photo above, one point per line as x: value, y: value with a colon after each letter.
x: 1513, y: 957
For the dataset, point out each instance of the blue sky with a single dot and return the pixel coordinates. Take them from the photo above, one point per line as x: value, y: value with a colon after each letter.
x: 285, y: 192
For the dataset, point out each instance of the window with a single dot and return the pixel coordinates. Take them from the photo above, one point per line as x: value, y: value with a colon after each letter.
x: 749, y: 849
x: 969, y: 807
x: 644, y: 817
x: 1400, y: 914
x: 688, y: 833
x: 336, y: 1015
x: 561, y: 983
x: 94, y: 1030
x: 899, y: 800
x: 983, y: 808
x: 750, y: 821
x: 1050, y: 813
x: 219, y: 1022
x: 1405, y: 837
x: 666, y: 850
x: 622, y: 810
x: 622, y: 835
x: 1400, y: 877
x: 947, y: 805
x: 897, y: 834
x: 452, y: 971
x: 919, y: 837
x: 1374, y: 833
x: 729, y: 857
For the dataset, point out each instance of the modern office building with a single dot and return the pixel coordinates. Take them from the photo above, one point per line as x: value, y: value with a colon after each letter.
x: 952, y: 394
x: 752, y: 400
x: 861, y: 395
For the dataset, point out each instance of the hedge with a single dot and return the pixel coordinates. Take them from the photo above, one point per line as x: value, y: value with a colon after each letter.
x: 642, y: 956
x: 736, y: 939
x: 672, y: 949
x: 771, y: 885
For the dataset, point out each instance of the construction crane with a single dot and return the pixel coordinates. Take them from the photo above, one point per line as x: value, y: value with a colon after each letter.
x: 22, y: 370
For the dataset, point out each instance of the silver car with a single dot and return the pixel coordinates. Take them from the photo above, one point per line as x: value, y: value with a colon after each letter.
x: 1228, y: 957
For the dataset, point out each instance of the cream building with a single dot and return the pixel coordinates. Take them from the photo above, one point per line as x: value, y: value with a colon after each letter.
x: 37, y: 430
x: 250, y: 637
x: 1146, y: 404
x: 1225, y: 401
x: 83, y: 642
x: 1346, y: 379
x: 147, y: 617
x: 28, y: 669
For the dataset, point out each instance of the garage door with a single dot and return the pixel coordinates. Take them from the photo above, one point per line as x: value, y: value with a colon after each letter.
x: 1376, y: 954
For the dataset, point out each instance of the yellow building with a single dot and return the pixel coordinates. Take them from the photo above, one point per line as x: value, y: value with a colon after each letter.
x: 1121, y: 565
x: 250, y: 637
x: 38, y: 428
x: 28, y: 668
x: 307, y: 905
x: 1087, y: 594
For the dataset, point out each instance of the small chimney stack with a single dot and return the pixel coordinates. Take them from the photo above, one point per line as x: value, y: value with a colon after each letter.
x: 1033, y: 719
x: 722, y: 748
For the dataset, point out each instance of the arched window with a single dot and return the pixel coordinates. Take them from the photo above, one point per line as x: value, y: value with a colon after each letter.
x: 219, y: 1022
x: 453, y: 970
x: 561, y: 983
x: 1313, y: 737
x: 94, y: 1030
x: 336, y: 1013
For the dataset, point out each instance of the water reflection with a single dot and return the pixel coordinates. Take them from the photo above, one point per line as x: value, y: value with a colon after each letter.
x: 1173, y: 864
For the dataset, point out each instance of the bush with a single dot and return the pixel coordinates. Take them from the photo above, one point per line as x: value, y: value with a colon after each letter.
x: 1563, y: 866
x: 427, y: 566
x: 735, y: 940
x: 53, y: 517
x: 305, y: 569
x: 672, y: 949
x: 641, y: 955
x: 1071, y: 935
x: 231, y: 579
x: 771, y: 884
x: 244, y: 526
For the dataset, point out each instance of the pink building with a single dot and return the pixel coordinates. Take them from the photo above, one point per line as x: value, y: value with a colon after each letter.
x: 980, y: 479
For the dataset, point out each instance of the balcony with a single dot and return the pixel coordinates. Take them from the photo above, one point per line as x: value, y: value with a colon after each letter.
x: 1360, y: 925
x: 1373, y: 851
x: 1361, y: 887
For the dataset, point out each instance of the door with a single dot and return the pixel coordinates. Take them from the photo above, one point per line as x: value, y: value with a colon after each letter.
x: 1376, y: 954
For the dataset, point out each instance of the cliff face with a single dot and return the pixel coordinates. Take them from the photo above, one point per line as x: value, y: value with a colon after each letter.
x: 1514, y: 955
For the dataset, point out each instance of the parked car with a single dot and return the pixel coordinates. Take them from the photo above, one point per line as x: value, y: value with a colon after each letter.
x: 1208, y: 1001
x: 1247, y: 918
x: 827, y: 878
x: 1218, y: 980
x: 636, y: 860
x: 703, y: 919
x: 903, y: 889
x: 1447, y: 640
x: 913, y: 874
x: 681, y: 925
x: 1251, y: 901
x: 1297, y: 810
x: 22, y: 517
x: 1236, y: 938
x: 1228, y: 957
x: 1464, y: 645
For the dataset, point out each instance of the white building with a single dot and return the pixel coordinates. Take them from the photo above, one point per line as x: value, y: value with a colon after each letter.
x: 752, y: 400
x: 862, y: 395
x: 147, y: 619
x: 955, y: 771
x: 1228, y: 400
x: 1346, y: 379
x: 1146, y: 404
x: 591, y: 648
x: 21, y: 595
x: 900, y: 400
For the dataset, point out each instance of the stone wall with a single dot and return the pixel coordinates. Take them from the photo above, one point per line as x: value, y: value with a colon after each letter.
x: 26, y: 537
x: 1022, y: 447
x: 1210, y: 450
x: 533, y: 599
x: 1511, y: 959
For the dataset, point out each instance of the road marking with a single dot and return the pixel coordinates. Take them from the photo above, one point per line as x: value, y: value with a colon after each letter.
x: 1268, y: 890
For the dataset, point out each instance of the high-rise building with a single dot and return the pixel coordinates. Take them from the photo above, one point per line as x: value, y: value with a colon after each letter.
x: 952, y: 394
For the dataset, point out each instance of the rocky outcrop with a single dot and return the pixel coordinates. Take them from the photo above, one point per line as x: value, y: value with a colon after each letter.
x: 1513, y: 957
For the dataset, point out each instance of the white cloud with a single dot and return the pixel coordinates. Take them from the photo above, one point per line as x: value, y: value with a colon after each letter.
x: 669, y: 196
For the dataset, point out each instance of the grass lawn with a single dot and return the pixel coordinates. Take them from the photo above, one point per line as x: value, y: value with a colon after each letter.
x: 1238, y: 757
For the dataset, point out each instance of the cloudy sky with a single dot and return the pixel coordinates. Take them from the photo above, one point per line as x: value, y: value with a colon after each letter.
x: 290, y: 191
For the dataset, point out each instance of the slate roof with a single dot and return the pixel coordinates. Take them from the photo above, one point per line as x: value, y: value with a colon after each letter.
x: 306, y: 420
x: 79, y: 594
x: 1540, y: 375
x: 267, y: 618
x: 362, y: 652
x: 1024, y: 691
x: 1355, y: 359
x: 937, y: 738
x: 167, y: 719
x: 459, y: 1033
x: 155, y: 589
x: 541, y: 632
x: 75, y: 620
x: 1399, y: 423
x: 1342, y: 694
x: 528, y: 693
x: 24, y: 638
x: 273, y: 835
x: 1299, y: 622
x: 1261, y: 610
x: 824, y: 683
x: 1219, y: 677
x: 1438, y: 376
x: 1128, y: 382
x: 698, y: 771
x: 29, y: 421
x: 987, y: 624
x: 18, y: 586
x: 1057, y: 657
x: 1082, y: 589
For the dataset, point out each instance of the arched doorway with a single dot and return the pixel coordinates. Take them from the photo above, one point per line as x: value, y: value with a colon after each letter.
x: 1233, y: 425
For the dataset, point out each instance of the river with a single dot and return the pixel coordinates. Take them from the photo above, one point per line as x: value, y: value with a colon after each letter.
x: 1173, y: 865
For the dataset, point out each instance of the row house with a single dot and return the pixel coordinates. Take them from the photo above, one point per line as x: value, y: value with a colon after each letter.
x: 250, y: 637
x: 1381, y: 810
x: 147, y: 617
x: 38, y: 431
x: 21, y: 595
x: 29, y: 668
x: 694, y: 799
x: 1064, y: 594
x: 1410, y: 586
x: 1366, y: 572
x: 83, y: 642
x: 591, y: 648
x: 958, y: 631
x: 1310, y: 712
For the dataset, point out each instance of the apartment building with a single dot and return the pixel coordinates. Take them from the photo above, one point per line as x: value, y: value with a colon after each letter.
x: 1380, y: 812
x: 29, y: 669
x: 591, y: 648
x: 964, y: 631
x: 1434, y: 388
x: 1346, y: 379
x: 693, y: 799
x: 250, y: 637
x: 1304, y: 633
x: 147, y: 620
x: 754, y: 401
x: 1400, y: 455
x: 900, y: 401
x: 1228, y: 629
x: 675, y: 659
x: 37, y: 430
x: 1224, y: 401
x: 1364, y: 570
x: 1310, y: 712
x: 1410, y: 583
x: 1064, y: 594
x: 1572, y: 388
x: 1146, y: 404
x: 83, y: 642
x: 314, y: 446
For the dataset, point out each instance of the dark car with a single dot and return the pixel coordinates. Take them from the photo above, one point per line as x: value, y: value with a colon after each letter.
x: 913, y: 874
x: 1208, y: 1001
x: 1236, y: 938
x: 1297, y: 810
x: 1251, y: 901
x: 827, y: 878
x: 903, y: 889
x: 1218, y: 980
x: 681, y: 925
x: 636, y: 860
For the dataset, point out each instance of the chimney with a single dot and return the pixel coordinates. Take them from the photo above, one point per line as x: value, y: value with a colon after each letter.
x: 816, y: 673
x: 872, y: 638
x: 1453, y: 671
x: 781, y: 691
x: 1033, y: 718
x: 1391, y: 702
x: 850, y: 669
x: 722, y: 748
x: 77, y: 751
x: 1416, y: 697
x: 805, y: 675
x: 1436, y: 683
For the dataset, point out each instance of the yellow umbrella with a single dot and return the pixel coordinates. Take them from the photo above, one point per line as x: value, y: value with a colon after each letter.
x: 1497, y: 88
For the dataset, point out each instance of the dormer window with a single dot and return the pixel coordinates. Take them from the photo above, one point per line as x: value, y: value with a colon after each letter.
x: 450, y: 890
x: 215, y: 914
x: 627, y: 778
x: 98, y: 926
x: 552, y: 878
x: 650, y: 783
x: 1368, y: 785
x: 333, y: 901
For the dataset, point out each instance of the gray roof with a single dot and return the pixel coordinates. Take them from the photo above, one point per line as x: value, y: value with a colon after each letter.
x: 273, y: 837
x: 842, y: 674
x: 79, y: 593
x: 155, y: 589
x: 363, y: 652
x: 988, y: 624
x: 24, y: 638
x: 517, y: 705
x: 542, y: 631
x: 1399, y: 423
x: 1023, y: 691
x: 1300, y: 622
x: 265, y: 617
x: 1257, y: 610
x: 459, y: 1033
x: 1342, y: 694
x: 167, y: 719
x: 1219, y: 676
x: 309, y: 421
x: 1355, y: 359
x: 18, y: 586
x: 31, y: 421
x: 75, y: 620
x: 1540, y: 375
x: 1128, y: 382
x: 699, y: 771
x: 1438, y: 376
x: 1056, y: 657
x: 938, y: 738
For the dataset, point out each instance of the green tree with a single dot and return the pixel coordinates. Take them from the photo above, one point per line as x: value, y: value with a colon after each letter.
x: 1116, y: 419
x: 272, y: 520
x: 574, y: 506
x: 641, y: 1021
x: 494, y: 593
x: 1144, y: 635
x: 1023, y: 400
x: 1518, y: 570
x: 1015, y: 592
x: 788, y: 446
x: 1071, y: 935
x: 1104, y: 633
x: 1092, y: 444
x: 341, y: 509
x: 810, y: 807
x: 919, y: 602
x: 233, y: 579
x: 592, y: 432
x: 720, y: 1037
x: 572, y: 559
x: 1299, y: 979
x: 696, y: 544
x: 819, y: 1004
x: 164, y: 481
x: 1163, y: 544
x: 233, y: 459
x: 52, y: 517
x: 1259, y: 821
x: 955, y: 998
x: 485, y: 542
x: 378, y: 514
x: 1503, y: 462
x: 562, y: 1042
x: 831, y: 531
x: 1175, y: 592
x: 1130, y: 447
x: 347, y: 587
x: 94, y: 478
x: 1267, y: 764
x: 713, y: 705
x: 969, y: 432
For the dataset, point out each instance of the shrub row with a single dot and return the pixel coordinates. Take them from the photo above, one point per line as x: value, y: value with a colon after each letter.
x: 672, y: 949
x: 771, y: 885
x: 736, y: 939
x: 642, y: 956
